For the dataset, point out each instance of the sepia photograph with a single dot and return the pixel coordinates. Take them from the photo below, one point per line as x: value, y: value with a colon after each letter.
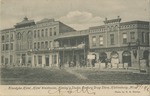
x: 75, y: 42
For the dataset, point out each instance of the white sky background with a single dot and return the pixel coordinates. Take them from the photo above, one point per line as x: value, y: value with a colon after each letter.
x: 79, y: 14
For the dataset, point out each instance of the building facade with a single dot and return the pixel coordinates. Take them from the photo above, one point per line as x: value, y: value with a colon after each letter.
x: 7, y: 47
x: 124, y: 44
x: 50, y: 43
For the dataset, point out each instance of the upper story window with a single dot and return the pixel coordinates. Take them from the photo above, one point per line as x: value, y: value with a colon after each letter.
x: 50, y: 44
x: 11, y: 46
x: 2, y: 59
x: 7, y: 46
x: 132, y: 36
x: 94, y: 40
x: 29, y: 34
x: 7, y: 37
x: 46, y: 44
x: 112, y: 39
x: 34, y: 33
x: 124, y: 38
x: 38, y: 45
x: 3, y: 38
x: 11, y: 37
x: 54, y: 30
x: 38, y: 33
x: 143, y: 37
x: 42, y: 33
x: 50, y: 32
x: 19, y: 36
x: 3, y: 47
x: 101, y: 40
x: 42, y: 44
x: 46, y: 32
x: 34, y: 45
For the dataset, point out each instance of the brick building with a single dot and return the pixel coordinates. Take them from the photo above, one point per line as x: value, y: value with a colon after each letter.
x: 50, y: 43
x: 121, y: 43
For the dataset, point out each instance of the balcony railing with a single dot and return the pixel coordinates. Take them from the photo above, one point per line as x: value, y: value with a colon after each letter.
x: 80, y: 46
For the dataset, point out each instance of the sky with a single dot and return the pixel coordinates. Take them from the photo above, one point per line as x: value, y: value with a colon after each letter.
x: 79, y: 14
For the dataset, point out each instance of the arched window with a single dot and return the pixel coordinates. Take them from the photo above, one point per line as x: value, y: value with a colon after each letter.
x: 42, y: 33
x: 46, y: 32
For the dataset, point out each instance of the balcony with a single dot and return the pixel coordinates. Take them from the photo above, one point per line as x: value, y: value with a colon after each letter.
x: 47, y: 50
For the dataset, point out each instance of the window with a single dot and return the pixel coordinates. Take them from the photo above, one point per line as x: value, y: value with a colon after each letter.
x: 143, y: 37
x: 39, y: 59
x: 54, y: 30
x: 38, y: 45
x: 34, y: 33
x: 3, y: 38
x: 11, y: 37
x: 46, y: 44
x: 34, y: 45
x: 101, y: 42
x: 42, y: 33
x: 11, y: 59
x: 132, y: 36
x: 7, y: 46
x: 46, y: 34
x: 11, y: 46
x: 29, y: 45
x: 3, y: 47
x: 38, y: 33
x: 124, y: 38
x: 42, y: 44
x: 94, y: 40
x: 2, y: 59
x: 18, y: 36
x: 6, y: 60
x: 29, y: 34
x: 7, y: 37
x: 50, y: 31
x: 112, y: 39
x: 50, y: 44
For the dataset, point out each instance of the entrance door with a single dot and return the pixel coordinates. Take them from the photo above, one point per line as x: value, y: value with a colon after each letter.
x: 146, y: 57
x: 126, y: 58
x: 47, y: 60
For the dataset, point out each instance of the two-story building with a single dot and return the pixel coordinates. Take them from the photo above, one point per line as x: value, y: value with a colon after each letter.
x: 124, y: 44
